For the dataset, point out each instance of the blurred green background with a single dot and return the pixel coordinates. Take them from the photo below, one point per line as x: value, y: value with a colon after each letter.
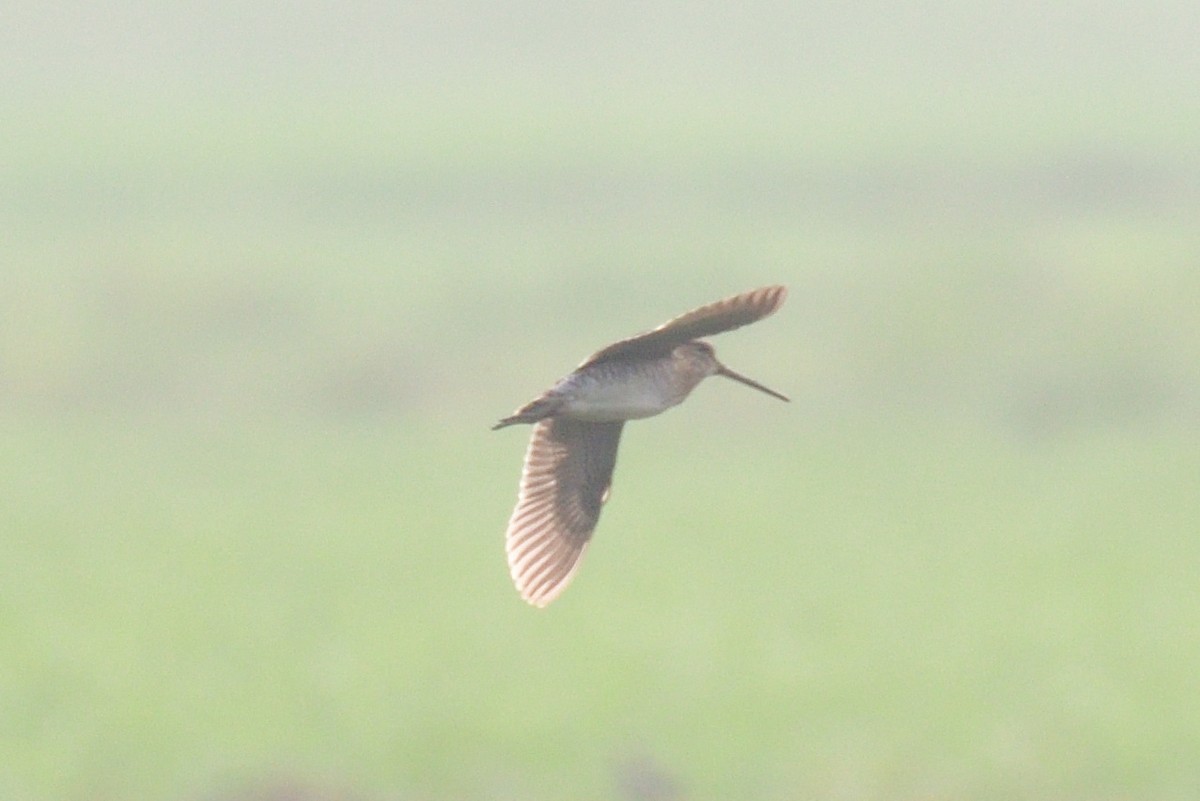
x: 270, y: 272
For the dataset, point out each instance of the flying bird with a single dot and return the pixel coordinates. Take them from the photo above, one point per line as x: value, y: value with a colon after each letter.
x: 577, y: 424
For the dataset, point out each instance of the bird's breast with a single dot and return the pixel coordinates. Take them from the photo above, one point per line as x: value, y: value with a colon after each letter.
x: 610, y: 392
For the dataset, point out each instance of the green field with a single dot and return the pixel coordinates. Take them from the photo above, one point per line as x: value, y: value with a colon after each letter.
x: 268, y: 279
x: 848, y: 614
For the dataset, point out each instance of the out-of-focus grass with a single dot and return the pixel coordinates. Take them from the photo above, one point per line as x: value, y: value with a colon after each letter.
x: 867, y: 613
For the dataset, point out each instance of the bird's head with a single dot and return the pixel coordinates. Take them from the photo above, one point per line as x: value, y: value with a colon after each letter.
x: 699, y: 358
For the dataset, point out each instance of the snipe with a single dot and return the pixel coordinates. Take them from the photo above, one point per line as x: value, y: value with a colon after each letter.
x: 577, y: 425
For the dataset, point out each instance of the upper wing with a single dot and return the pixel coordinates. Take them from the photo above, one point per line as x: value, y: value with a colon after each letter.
x: 724, y: 315
x: 568, y: 471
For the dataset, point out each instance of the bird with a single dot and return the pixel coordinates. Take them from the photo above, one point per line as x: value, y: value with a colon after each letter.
x: 577, y: 424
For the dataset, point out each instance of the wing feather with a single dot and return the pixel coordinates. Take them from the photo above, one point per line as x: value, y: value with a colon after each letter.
x: 568, y: 472
x: 715, y: 318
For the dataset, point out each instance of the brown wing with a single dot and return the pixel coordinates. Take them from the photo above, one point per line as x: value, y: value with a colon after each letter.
x: 724, y: 315
x: 568, y: 470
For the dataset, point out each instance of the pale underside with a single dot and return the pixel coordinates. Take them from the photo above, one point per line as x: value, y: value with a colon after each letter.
x: 610, y: 391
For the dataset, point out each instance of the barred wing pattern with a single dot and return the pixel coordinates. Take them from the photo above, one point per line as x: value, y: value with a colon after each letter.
x: 724, y: 315
x: 567, y: 475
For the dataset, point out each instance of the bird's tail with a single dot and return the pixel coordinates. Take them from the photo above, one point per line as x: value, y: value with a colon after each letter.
x: 538, y: 409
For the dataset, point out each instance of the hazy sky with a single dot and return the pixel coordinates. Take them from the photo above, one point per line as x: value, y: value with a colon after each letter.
x: 149, y: 44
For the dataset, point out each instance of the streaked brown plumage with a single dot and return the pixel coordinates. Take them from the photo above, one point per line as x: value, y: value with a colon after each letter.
x: 577, y: 425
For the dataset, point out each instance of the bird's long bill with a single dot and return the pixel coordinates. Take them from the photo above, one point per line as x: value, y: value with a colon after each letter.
x: 725, y: 371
